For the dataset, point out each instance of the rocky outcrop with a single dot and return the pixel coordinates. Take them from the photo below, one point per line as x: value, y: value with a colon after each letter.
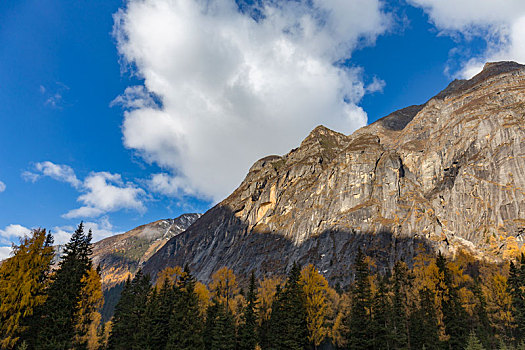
x: 121, y: 255
x: 446, y: 174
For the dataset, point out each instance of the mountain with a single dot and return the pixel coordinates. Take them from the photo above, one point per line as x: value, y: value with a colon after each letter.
x: 121, y: 255
x: 444, y: 175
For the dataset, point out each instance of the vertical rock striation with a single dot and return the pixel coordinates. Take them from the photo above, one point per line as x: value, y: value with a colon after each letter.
x: 446, y: 174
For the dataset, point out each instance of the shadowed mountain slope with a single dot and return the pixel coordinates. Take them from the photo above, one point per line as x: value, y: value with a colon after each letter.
x: 446, y: 174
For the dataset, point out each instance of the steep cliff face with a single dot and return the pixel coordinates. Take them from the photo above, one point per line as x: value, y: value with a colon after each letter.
x: 441, y: 175
x: 120, y: 256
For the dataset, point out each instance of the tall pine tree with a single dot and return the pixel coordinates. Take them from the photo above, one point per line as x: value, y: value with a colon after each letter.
x: 248, y: 328
x: 186, y: 325
x: 57, y: 324
x: 400, y: 320
x: 288, y: 320
x: 424, y: 329
x: 455, y: 318
x: 516, y: 286
x: 360, y: 330
x: 220, y: 327
x: 129, y: 314
x: 158, y: 312
x: 382, y: 315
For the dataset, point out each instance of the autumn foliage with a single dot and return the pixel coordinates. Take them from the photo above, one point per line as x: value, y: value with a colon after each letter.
x: 433, y: 302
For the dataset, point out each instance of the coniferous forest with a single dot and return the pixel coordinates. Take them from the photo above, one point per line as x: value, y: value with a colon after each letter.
x: 435, y: 303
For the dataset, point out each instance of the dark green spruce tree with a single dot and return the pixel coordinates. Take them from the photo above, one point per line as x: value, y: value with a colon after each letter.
x: 516, y: 288
x: 129, y: 314
x: 482, y: 325
x: 247, y: 338
x: 264, y: 329
x: 473, y: 343
x: 360, y: 330
x: 382, y: 315
x: 221, y: 328
x: 186, y: 326
x: 455, y: 318
x: 400, y: 319
x: 57, y: 321
x: 288, y: 325
x: 424, y: 329
x: 158, y: 313
x: 209, y: 327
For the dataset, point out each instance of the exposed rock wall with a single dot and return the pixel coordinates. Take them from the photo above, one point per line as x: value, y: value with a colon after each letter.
x: 445, y: 174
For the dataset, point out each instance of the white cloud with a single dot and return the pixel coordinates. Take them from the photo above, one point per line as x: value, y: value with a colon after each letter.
x: 135, y: 97
x: 61, y: 234
x: 54, y: 95
x: 102, y: 192
x: 500, y: 23
x: 58, y: 172
x: 12, y: 232
x: 2, y: 186
x: 101, y: 229
x: 168, y: 185
x: 233, y: 88
x: 377, y: 85
x: 5, y: 252
x: 106, y: 192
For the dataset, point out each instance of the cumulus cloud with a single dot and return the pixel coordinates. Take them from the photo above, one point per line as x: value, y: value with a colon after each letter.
x: 12, y: 232
x: 9, y: 235
x: 2, y: 186
x: 233, y: 86
x: 101, y: 229
x: 58, y: 172
x: 106, y: 192
x: 101, y: 192
x: 500, y: 23
x: 5, y: 252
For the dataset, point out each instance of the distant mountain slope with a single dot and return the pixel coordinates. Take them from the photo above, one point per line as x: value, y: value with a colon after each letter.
x: 120, y: 256
x: 445, y: 174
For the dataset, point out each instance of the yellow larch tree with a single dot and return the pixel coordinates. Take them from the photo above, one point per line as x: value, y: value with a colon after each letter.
x: 315, y: 288
x: 88, y: 316
x: 23, y: 280
x: 224, y: 287
x: 499, y: 303
x: 266, y: 295
x: 172, y: 274
x: 203, y: 294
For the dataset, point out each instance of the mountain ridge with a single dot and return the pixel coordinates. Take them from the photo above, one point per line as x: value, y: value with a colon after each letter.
x: 120, y: 256
x: 436, y: 174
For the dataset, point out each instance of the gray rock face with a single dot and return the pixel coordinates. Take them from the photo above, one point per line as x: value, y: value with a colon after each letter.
x: 446, y: 174
x: 121, y: 255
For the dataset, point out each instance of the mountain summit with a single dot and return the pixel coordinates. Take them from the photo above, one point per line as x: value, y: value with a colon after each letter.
x: 120, y: 256
x: 443, y: 175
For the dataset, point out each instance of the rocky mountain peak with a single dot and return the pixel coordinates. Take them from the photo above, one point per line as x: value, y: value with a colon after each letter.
x: 447, y: 174
x: 325, y: 137
x: 491, y: 71
x: 494, y: 68
x: 120, y: 256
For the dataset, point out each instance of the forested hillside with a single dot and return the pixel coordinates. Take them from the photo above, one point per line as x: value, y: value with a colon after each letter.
x: 437, y: 303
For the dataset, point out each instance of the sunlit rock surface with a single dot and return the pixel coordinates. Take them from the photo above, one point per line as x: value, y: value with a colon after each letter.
x: 443, y: 175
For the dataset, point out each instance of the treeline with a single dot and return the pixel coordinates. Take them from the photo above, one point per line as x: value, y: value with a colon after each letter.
x: 435, y: 304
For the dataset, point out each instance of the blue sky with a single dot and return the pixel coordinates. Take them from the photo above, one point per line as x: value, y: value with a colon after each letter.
x: 122, y: 113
